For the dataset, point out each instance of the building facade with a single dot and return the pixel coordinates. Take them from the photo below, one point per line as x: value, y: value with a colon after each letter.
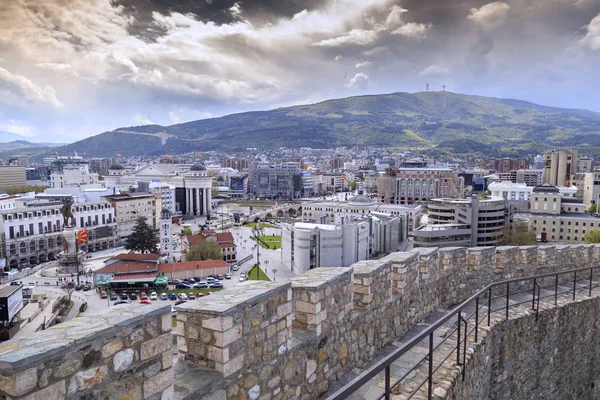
x: 128, y: 207
x: 73, y: 175
x: 507, y: 164
x: 12, y: 176
x: 559, y: 166
x: 469, y: 222
x: 275, y: 180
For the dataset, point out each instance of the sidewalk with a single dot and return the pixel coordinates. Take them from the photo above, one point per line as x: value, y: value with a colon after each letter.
x: 32, y: 326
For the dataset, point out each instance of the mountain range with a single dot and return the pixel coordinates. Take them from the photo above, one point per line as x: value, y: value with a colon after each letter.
x: 441, y: 122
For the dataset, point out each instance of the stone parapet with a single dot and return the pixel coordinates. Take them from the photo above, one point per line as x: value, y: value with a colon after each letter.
x: 321, y: 296
x: 124, y: 352
x: 372, y: 284
x: 235, y: 328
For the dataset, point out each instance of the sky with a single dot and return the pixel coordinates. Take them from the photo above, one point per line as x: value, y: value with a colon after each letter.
x: 70, y: 69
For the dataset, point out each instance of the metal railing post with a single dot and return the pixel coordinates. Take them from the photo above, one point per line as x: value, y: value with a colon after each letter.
x: 591, y: 275
x: 490, y: 307
x: 387, y: 383
x: 556, y: 290
x: 458, y: 322
x: 430, y: 373
x: 574, y: 283
x: 507, y: 297
x: 476, y: 318
x: 533, y: 298
x: 464, y: 366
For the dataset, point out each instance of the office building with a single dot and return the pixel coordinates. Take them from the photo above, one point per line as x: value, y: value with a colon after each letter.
x: 74, y: 175
x: 128, y: 207
x: 12, y: 176
x: 275, y: 180
x: 591, y: 189
x: 585, y: 165
x: 504, y: 165
x: 559, y: 166
x: 468, y: 222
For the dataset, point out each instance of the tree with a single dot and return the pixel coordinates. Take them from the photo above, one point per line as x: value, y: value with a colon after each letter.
x: 517, y: 234
x: 187, y: 231
x: 593, y: 208
x: 592, y: 237
x: 143, y: 238
x: 205, y: 250
x: 69, y: 288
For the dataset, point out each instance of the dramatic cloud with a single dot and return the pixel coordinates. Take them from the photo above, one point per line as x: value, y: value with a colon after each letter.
x: 78, y: 67
x: 491, y: 15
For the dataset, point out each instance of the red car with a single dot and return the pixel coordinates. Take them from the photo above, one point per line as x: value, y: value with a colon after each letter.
x: 143, y: 296
x: 145, y: 301
x: 103, y: 295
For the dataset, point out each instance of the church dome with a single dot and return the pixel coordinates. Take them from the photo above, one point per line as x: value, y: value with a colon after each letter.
x: 198, y: 167
x: 360, y: 200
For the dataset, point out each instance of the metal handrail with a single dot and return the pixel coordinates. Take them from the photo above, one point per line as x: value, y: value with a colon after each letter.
x: 385, y: 363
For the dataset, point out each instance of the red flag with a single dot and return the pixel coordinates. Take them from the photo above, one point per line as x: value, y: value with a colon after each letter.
x: 82, y: 236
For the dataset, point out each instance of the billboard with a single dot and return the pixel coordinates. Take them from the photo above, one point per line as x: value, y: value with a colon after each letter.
x: 236, y: 184
x: 11, y: 304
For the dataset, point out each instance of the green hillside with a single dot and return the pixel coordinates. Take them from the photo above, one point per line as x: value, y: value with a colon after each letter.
x: 447, y: 123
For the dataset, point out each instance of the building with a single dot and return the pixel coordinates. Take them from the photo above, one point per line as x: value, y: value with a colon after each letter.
x: 32, y: 231
x: 585, y: 165
x: 559, y: 166
x: 591, y: 189
x: 469, y: 222
x: 307, y: 245
x: 12, y: 176
x: 129, y: 270
x: 193, y: 269
x: 167, y: 194
x: 557, y: 219
x: 419, y: 185
x: 340, y: 212
x: 128, y: 207
x: 224, y: 240
x: 531, y: 177
x: 239, y: 164
x: 192, y: 184
x: 502, y: 165
x: 73, y: 175
x: 518, y: 194
x: 166, y: 233
x: 275, y: 180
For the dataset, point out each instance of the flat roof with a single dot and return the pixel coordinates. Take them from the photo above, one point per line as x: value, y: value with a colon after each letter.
x: 8, y: 290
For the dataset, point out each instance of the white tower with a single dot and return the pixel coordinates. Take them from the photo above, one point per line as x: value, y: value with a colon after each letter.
x: 166, y: 234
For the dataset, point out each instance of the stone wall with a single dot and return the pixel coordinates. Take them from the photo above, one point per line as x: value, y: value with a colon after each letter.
x: 123, y: 353
x: 555, y: 357
x: 342, y: 316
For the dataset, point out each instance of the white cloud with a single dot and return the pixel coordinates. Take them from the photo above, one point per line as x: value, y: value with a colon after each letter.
x: 358, y: 37
x: 338, y: 58
x: 362, y: 64
x: 142, y: 119
x: 434, y: 70
x: 413, y: 30
x: 19, y: 128
x: 490, y: 16
x: 592, y: 36
x: 359, y: 80
x: 236, y: 9
x: 25, y: 89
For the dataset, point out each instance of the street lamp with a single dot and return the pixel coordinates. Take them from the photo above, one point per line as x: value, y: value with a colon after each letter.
x: 266, y: 268
x: 274, y: 274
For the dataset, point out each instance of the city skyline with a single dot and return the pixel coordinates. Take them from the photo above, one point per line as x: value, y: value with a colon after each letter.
x: 71, y: 72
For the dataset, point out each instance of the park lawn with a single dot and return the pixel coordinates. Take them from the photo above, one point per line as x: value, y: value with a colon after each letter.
x: 261, y: 274
x: 270, y: 242
x: 261, y: 225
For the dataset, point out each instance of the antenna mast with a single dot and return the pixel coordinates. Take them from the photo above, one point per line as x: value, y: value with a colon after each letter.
x: 427, y: 86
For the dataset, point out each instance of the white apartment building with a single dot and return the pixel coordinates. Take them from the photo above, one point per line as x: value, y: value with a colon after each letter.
x: 73, y: 175
x: 521, y: 191
x: 32, y: 232
x: 307, y: 245
x: 591, y: 189
x: 166, y: 193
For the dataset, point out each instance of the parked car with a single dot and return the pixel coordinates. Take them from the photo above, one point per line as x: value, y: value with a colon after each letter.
x: 103, y: 295
x: 199, y: 294
x: 163, y: 296
x: 124, y: 296
x: 146, y: 301
x: 178, y: 302
x: 191, y: 296
x: 242, y: 279
x: 173, y: 312
x: 182, y: 296
x: 228, y: 276
x: 217, y: 285
x: 143, y: 296
x: 153, y: 296
x: 220, y: 277
x: 116, y: 303
x: 15, y: 283
x: 211, y: 276
x: 182, y: 286
x: 210, y: 279
x: 172, y: 296
x: 132, y: 296
x: 201, y: 285
x: 79, y: 287
x: 234, y: 267
x: 86, y: 288
x: 113, y: 296
x: 196, y: 279
x: 83, y: 307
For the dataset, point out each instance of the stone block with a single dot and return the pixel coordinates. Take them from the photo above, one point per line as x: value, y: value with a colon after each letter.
x: 167, y: 359
x: 153, y: 347
x: 55, y: 391
x: 220, y: 324
x: 87, y: 379
x: 158, y: 383
x: 166, y: 322
x: 111, y: 348
x: 123, y: 360
x: 222, y: 339
x: 19, y: 384
x: 230, y: 367
x: 284, y: 310
x: 218, y: 354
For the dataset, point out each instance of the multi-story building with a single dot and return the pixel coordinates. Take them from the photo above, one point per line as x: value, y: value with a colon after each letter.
x: 238, y: 185
x: 307, y: 245
x: 73, y: 175
x: 224, y: 240
x: 585, y: 165
x: 531, y: 177
x: 504, y: 165
x: 557, y: 219
x: 167, y: 194
x: 239, y: 164
x: 518, y: 194
x: 559, y: 166
x: 128, y: 207
x: 193, y: 185
x: 12, y: 176
x: 419, y: 185
x: 591, y: 189
x: 468, y: 222
x: 275, y: 180
x: 38, y: 176
x: 100, y: 165
x: 32, y: 232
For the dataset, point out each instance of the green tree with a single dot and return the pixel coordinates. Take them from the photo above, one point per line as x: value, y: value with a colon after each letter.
x: 205, y: 250
x: 187, y: 231
x: 593, y: 208
x: 592, y: 237
x: 143, y: 239
x: 517, y: 234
